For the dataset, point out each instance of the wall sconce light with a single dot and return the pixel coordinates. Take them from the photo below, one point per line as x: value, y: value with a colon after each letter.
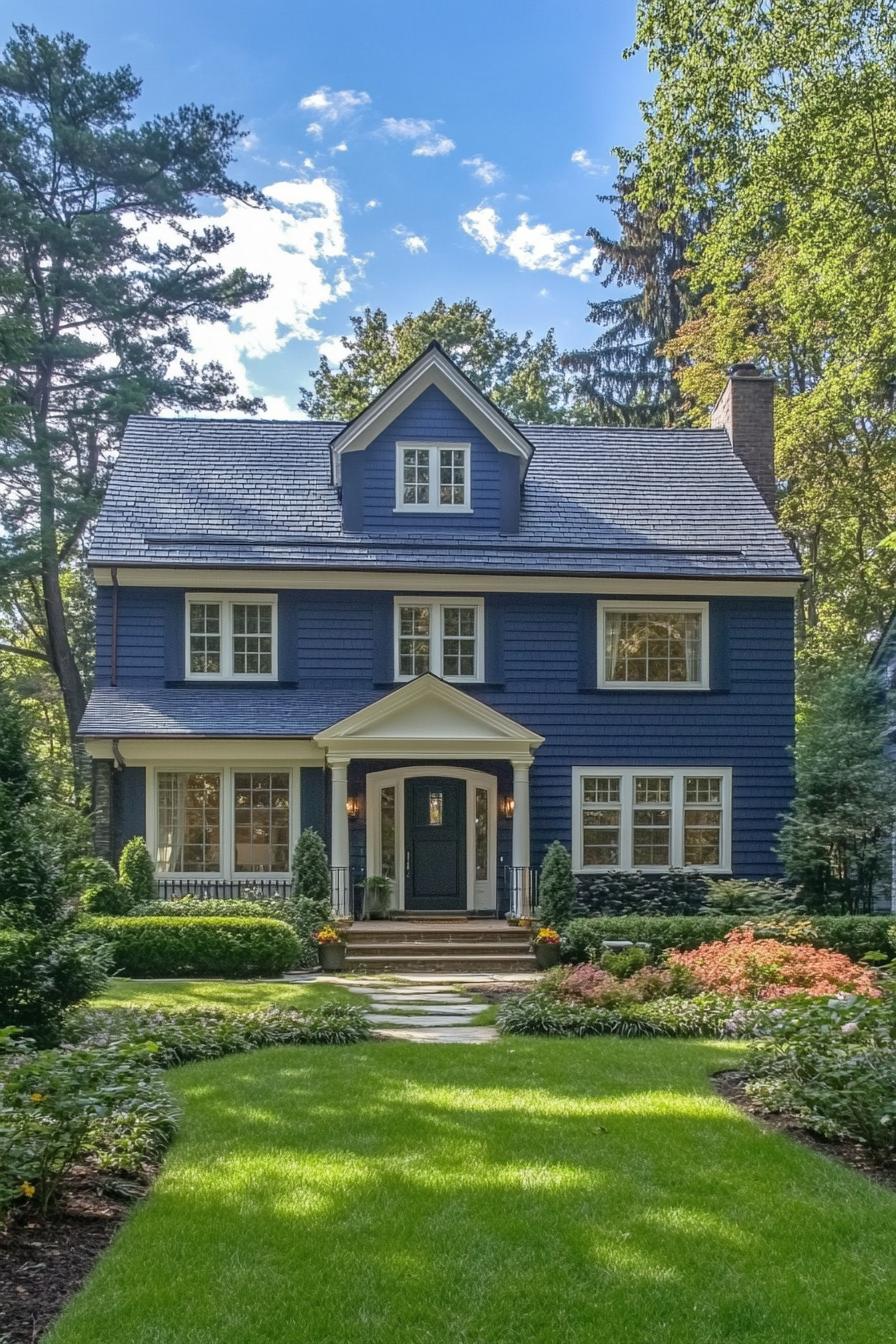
x: 353, y: 808
x: 507, y: 806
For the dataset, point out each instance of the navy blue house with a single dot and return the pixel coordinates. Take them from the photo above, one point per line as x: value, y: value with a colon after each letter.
x: 444, y: 640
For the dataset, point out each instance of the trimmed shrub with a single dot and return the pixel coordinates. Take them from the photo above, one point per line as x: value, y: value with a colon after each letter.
x: 744, y: 966
x: 136, y: 871
x: 106, y: 898
x: 681, y: 891
x: 541, y: 1014
x: 556, y: 887
x: 194, y: 908
x: 310, y: 869
x: 625, y: 962
x: 583, y: 938
x: 147, y: 945
x: 854, y: 935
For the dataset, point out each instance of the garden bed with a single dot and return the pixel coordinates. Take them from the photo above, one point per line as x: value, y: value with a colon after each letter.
x: 44, y: 1260
x: 731, y: 1085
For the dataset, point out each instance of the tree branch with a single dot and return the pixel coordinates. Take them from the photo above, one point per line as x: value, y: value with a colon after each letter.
x: 24, y: 653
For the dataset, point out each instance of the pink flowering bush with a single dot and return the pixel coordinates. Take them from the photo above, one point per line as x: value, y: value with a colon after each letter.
x: 594, y: 985
x: 745, y: 966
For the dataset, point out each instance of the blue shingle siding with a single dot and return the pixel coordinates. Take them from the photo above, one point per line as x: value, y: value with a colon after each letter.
x: 537, y: 673
x: 129, y: 804
x: 432, y: 417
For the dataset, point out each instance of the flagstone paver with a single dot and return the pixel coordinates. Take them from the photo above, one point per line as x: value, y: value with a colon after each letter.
x: 414, y: 1011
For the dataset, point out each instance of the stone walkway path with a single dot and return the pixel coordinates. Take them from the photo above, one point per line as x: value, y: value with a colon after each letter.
x: 413, y: 1010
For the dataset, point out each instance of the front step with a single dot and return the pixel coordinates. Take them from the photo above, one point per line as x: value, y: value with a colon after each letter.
x: 457, y: 947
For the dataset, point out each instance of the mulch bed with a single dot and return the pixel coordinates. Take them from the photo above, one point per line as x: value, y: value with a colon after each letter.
x: 44, y: 1261
x: 730, y: 1085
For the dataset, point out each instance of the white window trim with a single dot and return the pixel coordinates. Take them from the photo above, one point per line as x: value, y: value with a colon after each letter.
x: 626, y: 775
x: 433, y: 447
x: 226, y: 601
x: 436, y: 604
x: 688, y: 607
x: 228, y: 871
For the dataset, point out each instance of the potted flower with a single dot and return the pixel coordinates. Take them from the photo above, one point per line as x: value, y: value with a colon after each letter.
x: 379, y: 897
x: 546, y: 946
x: 330, y: 948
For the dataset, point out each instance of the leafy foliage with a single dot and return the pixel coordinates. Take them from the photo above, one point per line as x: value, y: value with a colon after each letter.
x: 681, y: 891
x: 834, y: 841
x: 542, y: 1014
x: 520, y: 375
x: 136, y: 870
x: 556, y: 887
x: 744, y: 966
x: 152, y: 946
x: 310, y: 869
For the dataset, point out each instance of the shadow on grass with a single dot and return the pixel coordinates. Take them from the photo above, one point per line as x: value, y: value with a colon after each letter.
x: 528, y: 1191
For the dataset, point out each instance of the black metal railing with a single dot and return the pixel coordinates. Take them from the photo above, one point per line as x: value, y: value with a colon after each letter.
x: 224, y: 889
x: 341, y: 892
x: 521, y: 891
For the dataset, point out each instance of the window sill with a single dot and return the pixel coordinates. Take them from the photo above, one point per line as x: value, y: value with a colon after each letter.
x: 437, y: 509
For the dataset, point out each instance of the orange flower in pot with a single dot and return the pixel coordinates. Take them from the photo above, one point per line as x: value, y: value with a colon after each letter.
x: 546, y: 946
x: 330, y: 948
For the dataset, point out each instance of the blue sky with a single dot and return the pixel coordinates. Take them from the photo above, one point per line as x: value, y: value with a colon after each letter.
x: 409, y: 151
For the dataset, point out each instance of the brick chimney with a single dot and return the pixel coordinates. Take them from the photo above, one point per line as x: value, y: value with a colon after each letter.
x: 745, y: 410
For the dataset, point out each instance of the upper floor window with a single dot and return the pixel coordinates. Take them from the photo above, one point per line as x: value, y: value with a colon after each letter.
x: 441, y: 635
x: 231, y: 637
x: 652, y: 818
x: 663, y: 645
x: 432, y: 477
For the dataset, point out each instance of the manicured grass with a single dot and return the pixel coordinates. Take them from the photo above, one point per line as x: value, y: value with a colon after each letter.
x: 571, y: 1192
x: 248, y: 994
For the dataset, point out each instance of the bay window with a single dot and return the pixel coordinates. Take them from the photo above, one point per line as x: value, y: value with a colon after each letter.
x: 440, y: 635
x: 652, y: 818
x: 231, y: 638
x: 222, y: 823
x: 661, y: 645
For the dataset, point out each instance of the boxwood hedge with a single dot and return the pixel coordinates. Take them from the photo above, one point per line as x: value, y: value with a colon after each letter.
x: 148, y: 945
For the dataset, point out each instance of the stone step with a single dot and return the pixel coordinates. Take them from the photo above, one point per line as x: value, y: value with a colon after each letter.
x: 441, y: 933
x: 448, y: 963
x: 434, y: 947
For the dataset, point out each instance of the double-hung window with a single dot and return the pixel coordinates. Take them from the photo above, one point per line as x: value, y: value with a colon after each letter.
x: 231, y: 638
x: 432, y: 478
x: 652, y: 818
x: 442, y: 635
x: 660, y: 645
x: 222, y: 823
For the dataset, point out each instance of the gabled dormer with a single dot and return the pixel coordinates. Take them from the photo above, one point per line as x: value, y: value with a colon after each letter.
x: 431, y: 453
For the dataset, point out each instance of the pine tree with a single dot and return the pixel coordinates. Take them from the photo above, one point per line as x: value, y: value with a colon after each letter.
x: 624, y: 377
x: 556, y: 887
x: 310, y: 870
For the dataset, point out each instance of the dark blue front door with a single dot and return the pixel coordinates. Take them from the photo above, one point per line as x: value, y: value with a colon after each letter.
x: 435, y: 839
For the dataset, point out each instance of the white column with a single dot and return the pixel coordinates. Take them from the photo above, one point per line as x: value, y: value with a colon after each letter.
x: 521, y: 852
x: 338, y: 825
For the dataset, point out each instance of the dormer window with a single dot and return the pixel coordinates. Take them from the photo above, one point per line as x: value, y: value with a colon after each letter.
x: 432, y: 478
x: 231, y: 638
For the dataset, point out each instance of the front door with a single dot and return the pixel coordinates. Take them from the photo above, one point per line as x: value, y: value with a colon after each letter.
x: 435, y: 844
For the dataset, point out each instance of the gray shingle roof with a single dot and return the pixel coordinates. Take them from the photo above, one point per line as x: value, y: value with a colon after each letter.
x: 244, y: 711
x: 598, y: 501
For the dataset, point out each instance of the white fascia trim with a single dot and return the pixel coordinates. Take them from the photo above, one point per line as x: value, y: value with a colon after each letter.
x: 204, y: 765
x: 226, y: 601
x: 435, y: 605
x: 432, y: 447
x: 394, y: 580
x: 431, y: 369
x: 616, y: 605
x: 243, y: 751
x: 626, y: 774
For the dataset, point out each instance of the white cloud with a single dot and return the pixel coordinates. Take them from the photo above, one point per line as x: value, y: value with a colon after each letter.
x: 534, y: 247
x: 583, y: 160
x: 334, y: 349
x: 300, y: 243
x: 372, y: 204
x: 314, y: 128
x: 341, y: 148
x: 405, y: 128
x: 333, y: 104
x: 434, y: 148
x: 414, y: 242
x: 249, y: 141
x: 483, y: 169
x: 308, y: 163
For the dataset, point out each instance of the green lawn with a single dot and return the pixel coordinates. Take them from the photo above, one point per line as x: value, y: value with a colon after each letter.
x: 248, y: 994
x: 593, y: 1191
